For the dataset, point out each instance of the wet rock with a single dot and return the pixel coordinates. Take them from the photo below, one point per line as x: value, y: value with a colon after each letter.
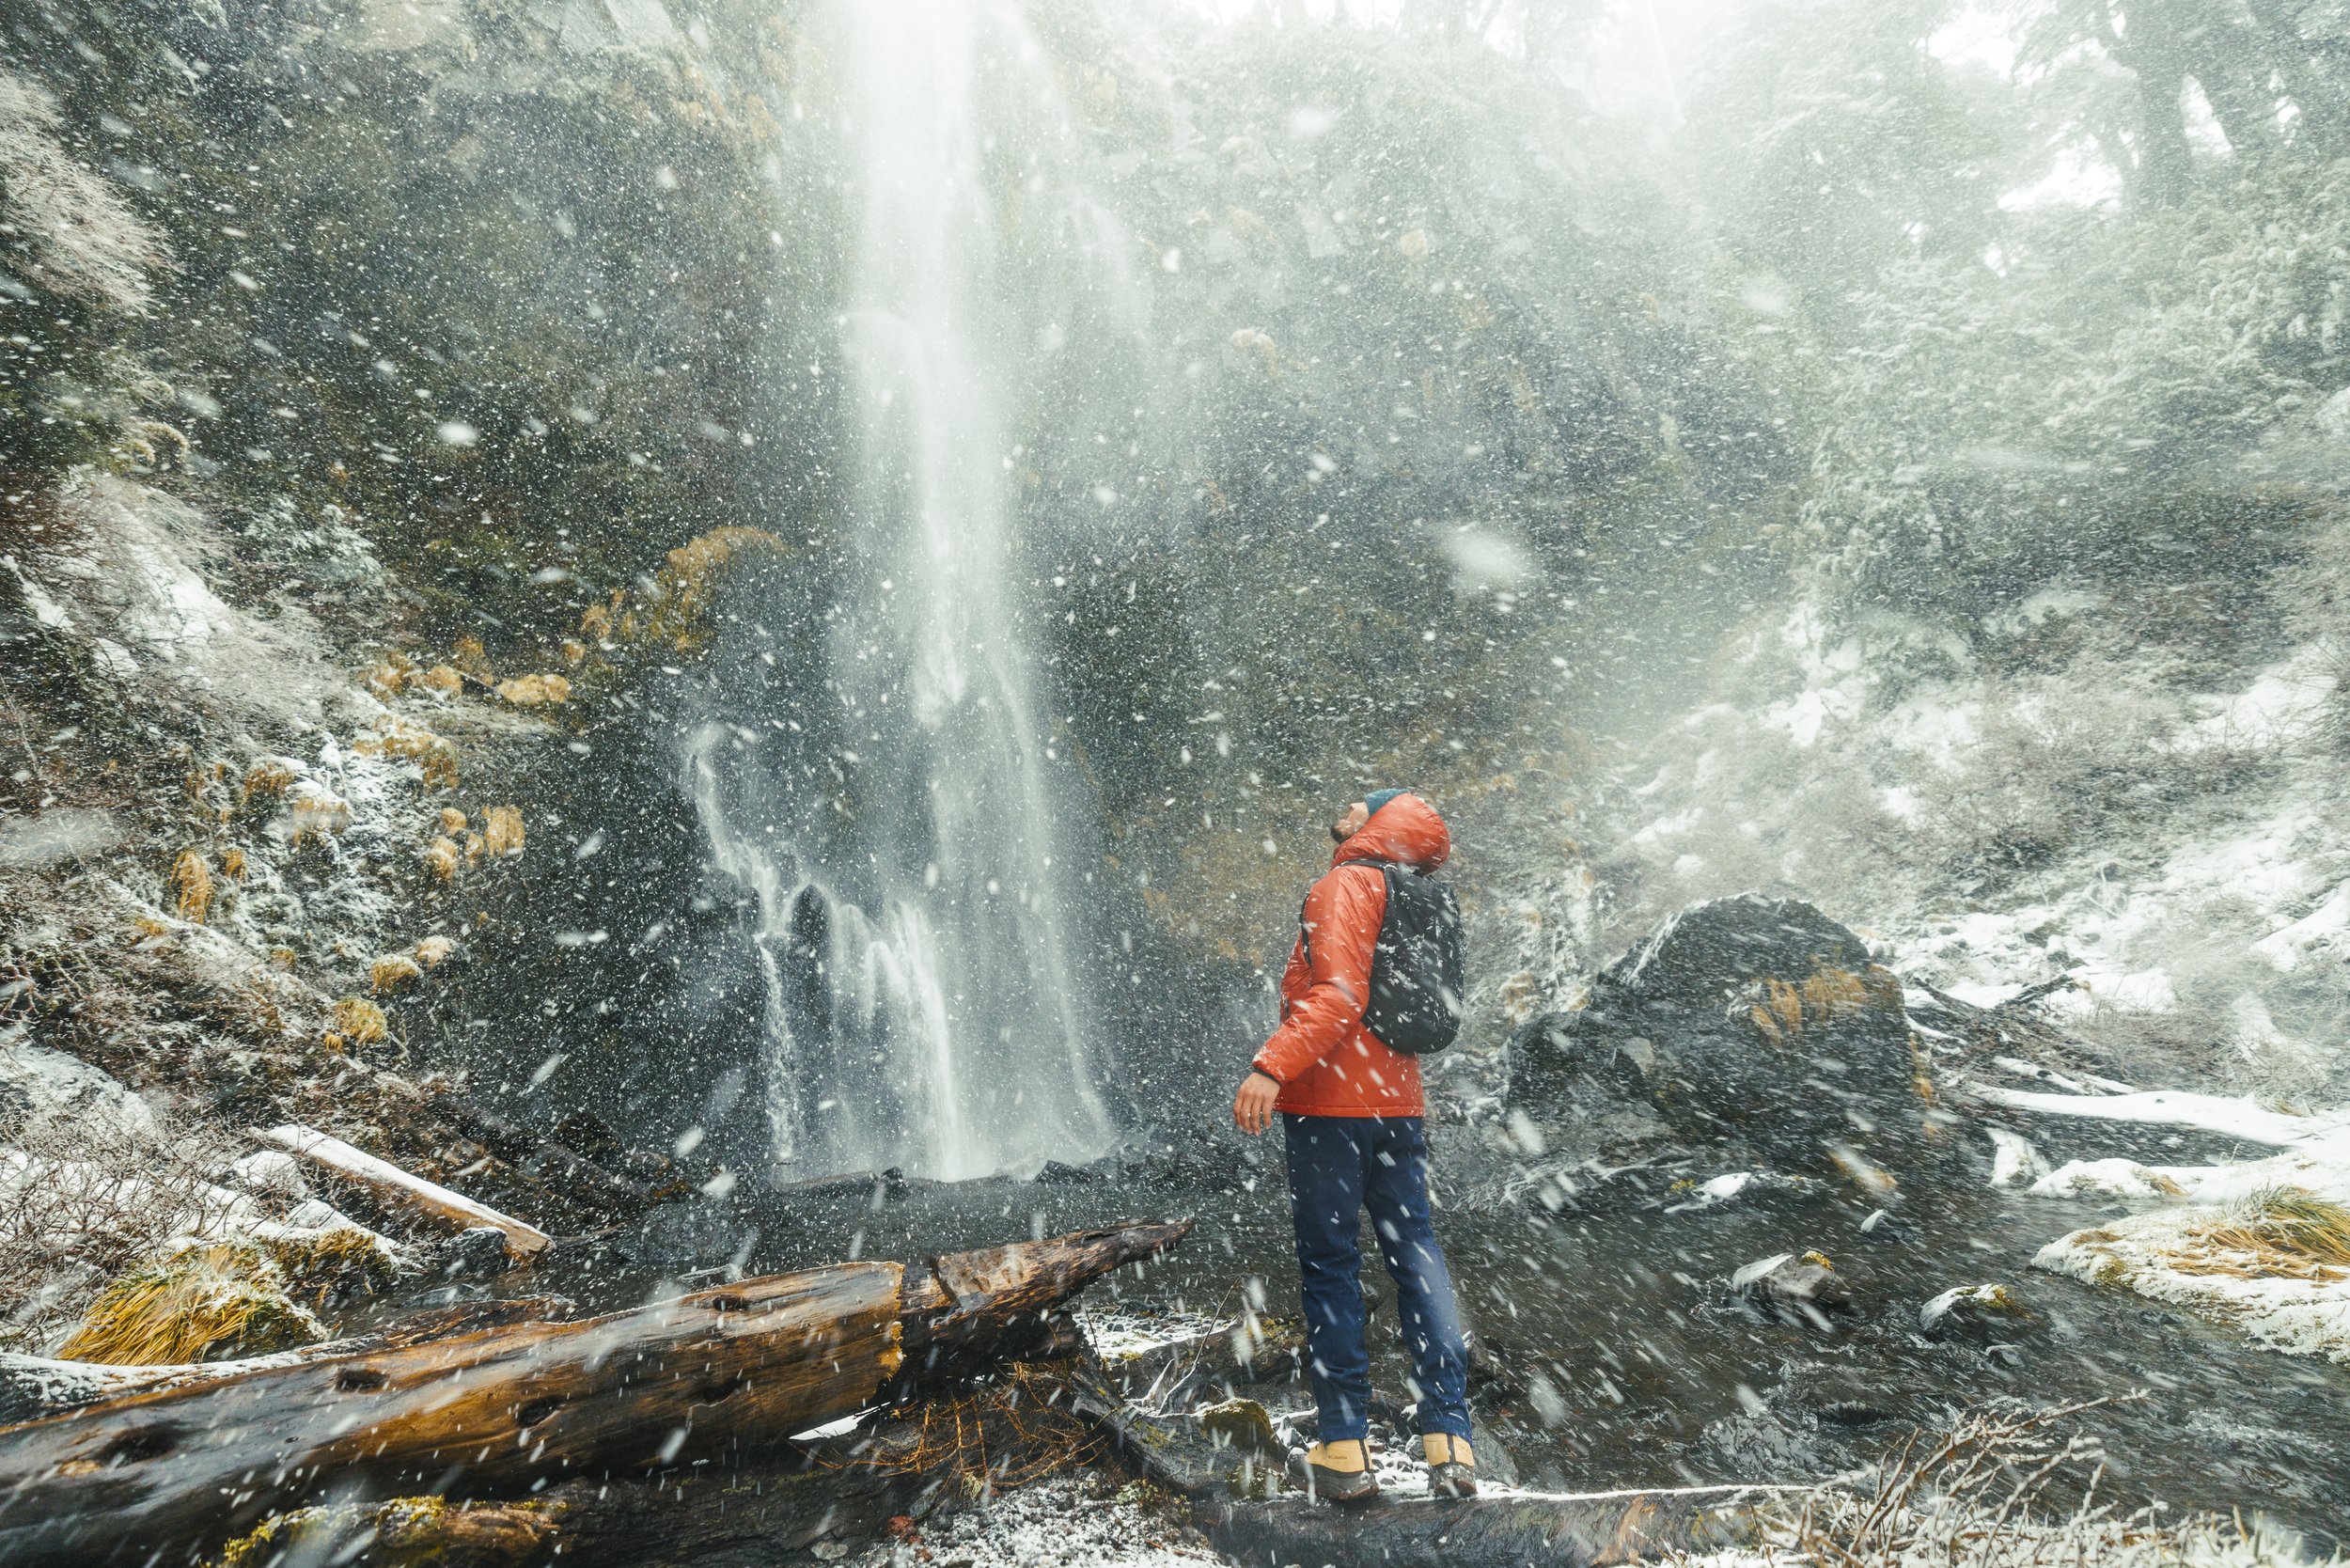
x: 1753, y: 1017
x: 1183, y: 1455
x: 475, y: 1253
x: 1743, y: 1189
x: 1056, y: 1174
x: 1976, y: 1313
x: 1821, y: 1416
x: 681, y: 1235
x: 1193, y: 1159
x: 1881, y: 1226
x: 1791, y: 1281
x: 591, y: 1137
x: 1572, y: 1073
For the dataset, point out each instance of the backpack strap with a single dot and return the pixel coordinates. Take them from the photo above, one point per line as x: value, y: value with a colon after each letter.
x: 1305, y: 936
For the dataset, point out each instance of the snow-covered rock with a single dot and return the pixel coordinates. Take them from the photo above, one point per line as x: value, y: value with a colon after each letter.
x: 39, y: 1084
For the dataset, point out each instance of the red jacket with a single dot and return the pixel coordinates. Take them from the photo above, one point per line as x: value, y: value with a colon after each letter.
x: 1326, y: 1062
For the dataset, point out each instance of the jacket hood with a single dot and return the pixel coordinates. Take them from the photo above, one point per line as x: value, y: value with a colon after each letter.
x: 1406, y: 831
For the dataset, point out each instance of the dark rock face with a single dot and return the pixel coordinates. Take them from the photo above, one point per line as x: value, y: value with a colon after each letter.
x: 1754, y: 1017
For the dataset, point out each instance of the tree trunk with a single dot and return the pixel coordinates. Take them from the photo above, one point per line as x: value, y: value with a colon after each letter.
x: 504, y: 1409
x: 2153, y: 53
x: 33, y: 1386
x: 1595, y: 1532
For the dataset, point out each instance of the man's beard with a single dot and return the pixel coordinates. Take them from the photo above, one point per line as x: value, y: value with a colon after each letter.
x: 1339, y: 832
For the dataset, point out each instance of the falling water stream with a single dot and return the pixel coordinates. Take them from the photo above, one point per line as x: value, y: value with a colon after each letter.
x: 898, y: 825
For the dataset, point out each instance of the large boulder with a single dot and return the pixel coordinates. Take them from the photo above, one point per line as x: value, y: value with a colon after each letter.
x: 1760, y: 1018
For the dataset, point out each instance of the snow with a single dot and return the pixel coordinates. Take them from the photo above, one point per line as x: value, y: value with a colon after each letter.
x: 2278, y: 708
x: 2164, y: 1253
x: 2166, y: 1108
x: 62, y: 833
x: 2276, y: 1057
x: 1054, y: 1524
x: 2285, y: 949
x: 2014, y: 1162
x: 38, y: 1084
x: 1118, y: 1336
x: 1930, y: 1316
x: 2305, y: 1317
x: 2324, y: 1171
x: 1759, y: 1269
x: 1715, y: 1191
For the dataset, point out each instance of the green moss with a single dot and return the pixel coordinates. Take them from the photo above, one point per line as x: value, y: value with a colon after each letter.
x: 336, y: 1265
x: 1241, y: 1424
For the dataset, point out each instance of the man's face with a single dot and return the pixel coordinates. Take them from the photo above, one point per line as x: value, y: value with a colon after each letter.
x: 1346, y: 826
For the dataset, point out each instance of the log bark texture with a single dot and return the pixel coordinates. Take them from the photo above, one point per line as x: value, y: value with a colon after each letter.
x: 162, y: 1474
x: 1605, y: 1530
x: 32, y: 1386
x: 173, y: 1472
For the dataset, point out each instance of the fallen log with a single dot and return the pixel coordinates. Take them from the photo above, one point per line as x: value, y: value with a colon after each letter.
x: 32, y: 1386
x: 1597, y: 1531
x: 159, y: 1474
x: 404, y: 1190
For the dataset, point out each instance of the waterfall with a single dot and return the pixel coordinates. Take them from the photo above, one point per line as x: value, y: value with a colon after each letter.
x: 893, y: 810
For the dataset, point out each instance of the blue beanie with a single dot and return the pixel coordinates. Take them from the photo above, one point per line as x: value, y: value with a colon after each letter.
x: 1378, y: 798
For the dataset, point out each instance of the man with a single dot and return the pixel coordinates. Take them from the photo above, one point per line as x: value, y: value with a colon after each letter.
x: 1351, y: 1114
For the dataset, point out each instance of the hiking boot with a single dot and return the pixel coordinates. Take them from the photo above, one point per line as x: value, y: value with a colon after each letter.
x: 1339, y: 1472
x: 1451, y: 1466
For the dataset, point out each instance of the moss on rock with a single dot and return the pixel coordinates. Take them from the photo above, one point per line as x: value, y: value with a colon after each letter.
x: 405, y: 1532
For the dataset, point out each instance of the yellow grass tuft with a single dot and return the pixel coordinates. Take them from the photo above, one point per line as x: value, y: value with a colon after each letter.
x: 2280, y: 1233
x: 502, y: 830
x: 392, y: 973
x: 574, y: 651
x: 443, y: 859
x: 359, y: 1021
x: 400, y: 739
x: 452, y: 820
x: 1787, y: 1009
x: 192, y: 886
x: 313, y: 812
x: 433, y: 951
x: 202, y: 1304
x: 385, y: 678
x: 285, y: 957
x: 266, y: 781
x: 525, y: 691
x: 596, y: 620
x: 232, y: 864
x: 469, y: 656
x: 444, y: 678
x: 686, y: 593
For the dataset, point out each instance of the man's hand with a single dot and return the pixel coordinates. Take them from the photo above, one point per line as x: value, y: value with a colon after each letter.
x: 1252, y: 1107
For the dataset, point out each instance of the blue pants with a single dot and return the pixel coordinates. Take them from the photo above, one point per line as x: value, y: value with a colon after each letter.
x: 1337, y: 1164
